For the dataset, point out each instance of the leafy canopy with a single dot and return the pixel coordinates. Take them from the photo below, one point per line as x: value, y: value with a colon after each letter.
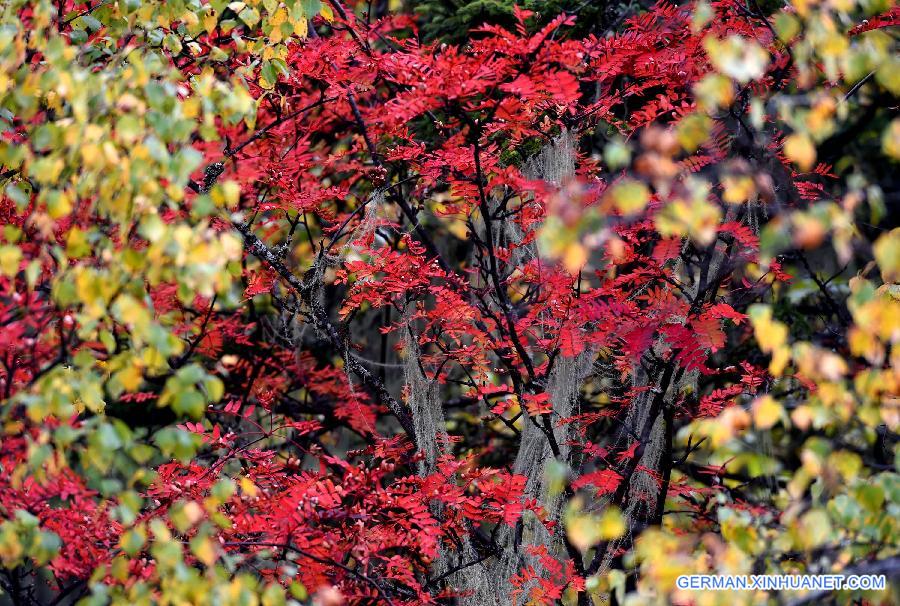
x: 476, y: 303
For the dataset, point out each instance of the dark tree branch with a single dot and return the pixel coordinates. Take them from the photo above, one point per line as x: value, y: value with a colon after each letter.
x: 320, y: 317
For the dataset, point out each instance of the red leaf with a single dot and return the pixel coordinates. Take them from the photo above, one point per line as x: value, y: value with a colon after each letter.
x: 724, y: 310
x: 605, y: 480
x: 709, y: 333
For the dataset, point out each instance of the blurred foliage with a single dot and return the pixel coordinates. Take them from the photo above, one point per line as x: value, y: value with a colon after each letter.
x: 114, y: 116
x: 103, y: 107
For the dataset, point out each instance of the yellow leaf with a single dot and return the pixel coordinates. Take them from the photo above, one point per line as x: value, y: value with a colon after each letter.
x: 203, y: 548
x: 160, y: 530
x: 818, y: 120
x: 209, y: 22
x: 800, y: 150
x: 582, y: 528
x: 766, y: 412
x: 630, y: 196
x: 458, y: 228
x: 58, y: 205
x: 10, y: 547
x: 809, y: 230
x: 131, y: 376
x: 133, y: 540
x: 248, y: 487
x: 887, y: 254
x: 91, y: 155
x: 581, y: 531
x: 10, y: 257
x: 575, y: 257
x: 780, y: 358
x: 714, y: 91
x: 611, y: 524
x: 737, y: 188
x: 274, y: 37
x: 193, y: 511
x: 890, y: 140
x: 77, y: 243
x: 833, y: 45
x: 770, y: 334
x: 119, y: 569
x: 728, y: 424
x: 830, y: 366
x: 279, y: 17
x: 301, y: 27
x: 814, y: 529
x: 737, y: 57
x: 129, y: 310
x: 698, y: 219
x: 226, y: 194
x: 802, y: 417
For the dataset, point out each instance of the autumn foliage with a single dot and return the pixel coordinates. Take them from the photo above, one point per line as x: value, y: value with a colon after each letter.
x: 327, y: 303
